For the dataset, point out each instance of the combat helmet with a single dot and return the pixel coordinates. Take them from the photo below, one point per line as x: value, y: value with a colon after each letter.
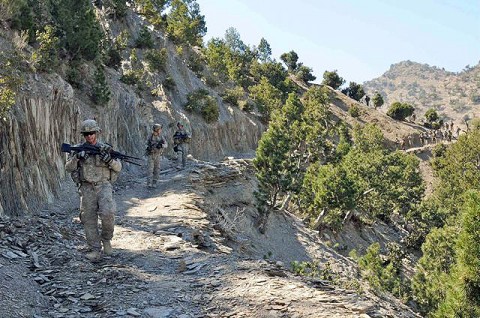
x: 156, y: 127
x: 89, y: 125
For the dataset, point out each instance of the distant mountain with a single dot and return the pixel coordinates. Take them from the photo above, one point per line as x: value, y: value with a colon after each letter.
x: 454, y: 95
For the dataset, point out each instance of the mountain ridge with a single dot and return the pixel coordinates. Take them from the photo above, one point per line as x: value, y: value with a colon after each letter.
x: 454, y: 95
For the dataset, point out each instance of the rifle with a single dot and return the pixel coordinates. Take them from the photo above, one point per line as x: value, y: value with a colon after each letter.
x: 181, y: 136
x: 94, y: 150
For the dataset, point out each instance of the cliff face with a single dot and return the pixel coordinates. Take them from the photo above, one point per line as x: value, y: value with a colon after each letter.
x: 31, y: 165
x: 48, y: 112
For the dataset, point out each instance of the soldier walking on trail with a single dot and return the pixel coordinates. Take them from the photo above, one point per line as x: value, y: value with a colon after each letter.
x: 95, y: 174
x: 367, y: 99
x: 181, y: 140
x: 155, y: 145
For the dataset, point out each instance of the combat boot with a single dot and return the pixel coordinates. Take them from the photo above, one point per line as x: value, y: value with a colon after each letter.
x: 93, y: 256
x: 107, y: 247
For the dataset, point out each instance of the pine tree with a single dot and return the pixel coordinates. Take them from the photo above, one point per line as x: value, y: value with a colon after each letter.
x: 101, y: 91
x: 185, y: 24
x: 77, y: 22
x: 377, y: 100
x: 354, y: 91
x: 463, y: 286
x: 45, y: 57
x: 267, y: 98
x: 264, y: 51
x: 273, y: 162
x: 290, y: 59
x: 332, y: 79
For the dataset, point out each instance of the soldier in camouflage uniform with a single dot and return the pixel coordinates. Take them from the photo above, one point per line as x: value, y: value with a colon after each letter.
x: 96, y: 172
x: 155, y: 145
x: 181, y: 139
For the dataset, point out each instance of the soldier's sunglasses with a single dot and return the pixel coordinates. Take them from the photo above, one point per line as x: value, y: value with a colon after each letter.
x: 85, y: 134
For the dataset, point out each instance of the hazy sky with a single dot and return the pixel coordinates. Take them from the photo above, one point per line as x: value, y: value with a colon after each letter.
x: 359, y: 38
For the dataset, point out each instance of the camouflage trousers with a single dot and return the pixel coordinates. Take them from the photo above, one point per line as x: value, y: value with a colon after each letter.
x: 182, y: 153
x: 153, y: 168
x: 96, y: 201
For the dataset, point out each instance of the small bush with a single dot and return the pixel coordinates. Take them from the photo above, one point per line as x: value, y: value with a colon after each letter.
x: 211, y: 112
x: 211, y: 81
x: 196, y: 65
x: 45, y: 58
x: 120, y: 8
x: 400, y: 111
x: 201, y: 102
x: 101, y: 91
x: 431, y: 115
x: 195, y: 100
x: 156, y: 60
x: 144, y: 40
x: 113, y: 58
x: 246, y: 105
x: 311, y: 269
x: 130, y: 77
x: 121, y: 41
x: 169, y: 83
x: 354, y: 111
x: 232, y: 96
x: 383, y: 273
x: 439, y: 150
x: 74, y: 77
x: 10, y: 81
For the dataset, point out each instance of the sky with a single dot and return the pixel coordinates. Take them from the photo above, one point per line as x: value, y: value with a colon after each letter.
x: 358, y: 38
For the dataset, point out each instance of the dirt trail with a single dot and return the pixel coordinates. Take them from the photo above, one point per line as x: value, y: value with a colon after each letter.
x: 174, y: 257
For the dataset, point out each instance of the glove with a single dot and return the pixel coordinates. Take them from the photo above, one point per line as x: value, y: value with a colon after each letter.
x: 105, y: 148
x: 106, y: 157
x: 82, y: 155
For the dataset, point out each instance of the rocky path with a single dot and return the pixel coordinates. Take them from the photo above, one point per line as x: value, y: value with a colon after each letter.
x: 174, y: 257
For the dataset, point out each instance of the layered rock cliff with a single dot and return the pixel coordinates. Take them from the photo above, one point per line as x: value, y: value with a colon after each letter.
x: 48, y: 112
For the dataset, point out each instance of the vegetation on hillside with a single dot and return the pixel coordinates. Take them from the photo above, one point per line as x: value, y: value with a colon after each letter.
x: 451, y: 212
x: 307, y: 160
x: 425, y: 87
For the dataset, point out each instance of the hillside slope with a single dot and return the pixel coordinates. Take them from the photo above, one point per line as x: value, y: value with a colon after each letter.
x: 185, y: 249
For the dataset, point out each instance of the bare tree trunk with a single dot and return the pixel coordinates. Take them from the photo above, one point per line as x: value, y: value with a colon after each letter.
x: 286, y: 201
